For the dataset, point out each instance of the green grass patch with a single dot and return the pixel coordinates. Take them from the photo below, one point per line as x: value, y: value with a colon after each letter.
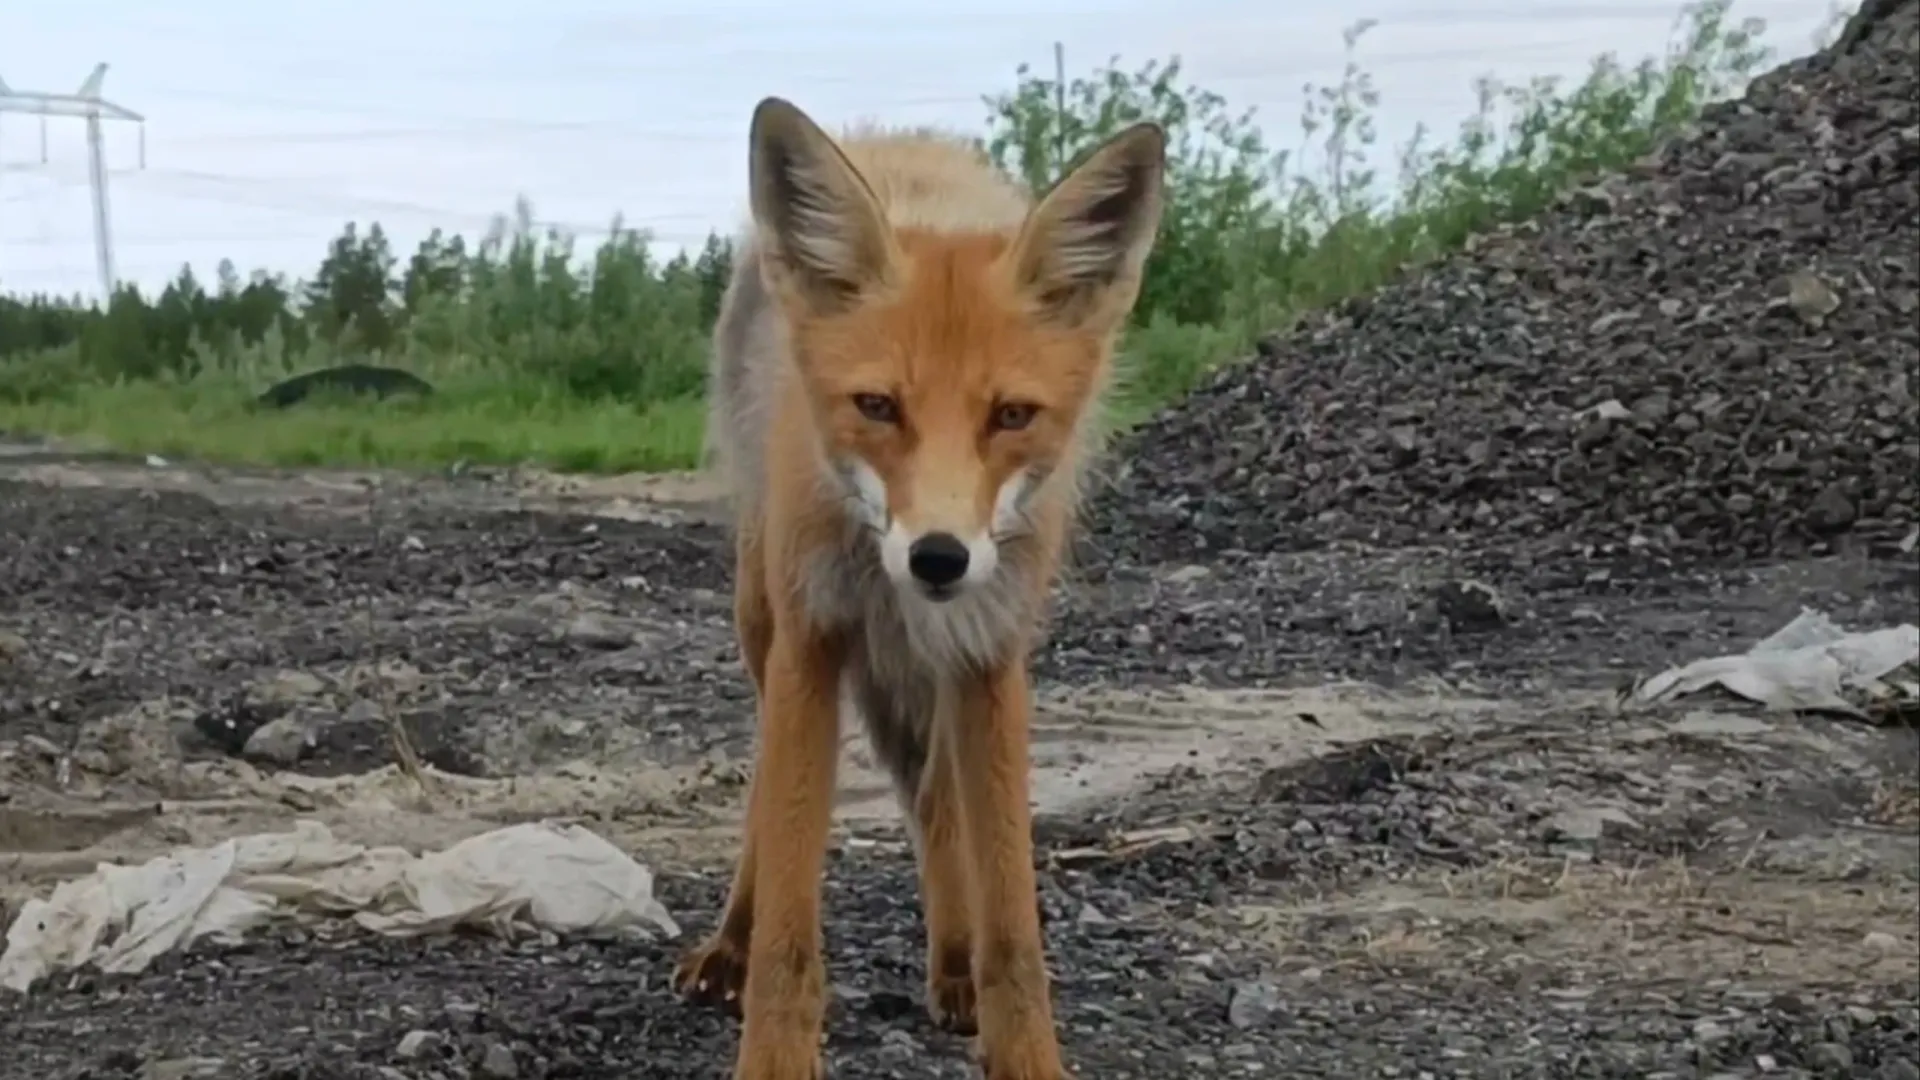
x: 216, y: 421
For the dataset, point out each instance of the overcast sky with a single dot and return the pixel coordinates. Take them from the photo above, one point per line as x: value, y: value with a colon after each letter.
x: 269, y: 126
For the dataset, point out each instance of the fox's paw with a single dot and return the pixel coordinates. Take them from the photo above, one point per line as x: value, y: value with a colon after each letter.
x: 950, y: 1004
x: 713, y: 974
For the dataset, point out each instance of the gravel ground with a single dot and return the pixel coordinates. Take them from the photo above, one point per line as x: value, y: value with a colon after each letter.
x: 1458, y: 862
x: 1559, y: 892
x: 1400, y: 909
x: 505, y: 639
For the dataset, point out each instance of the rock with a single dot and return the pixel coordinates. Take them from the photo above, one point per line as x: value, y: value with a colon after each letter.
x: 901, y: 1051
x: 1831, y: 510
x: 1830, y: 1059
x: 1881, y: 941
x: 1253, y: 1004
x: 1586, y: 824
x: 597, y: 631
x: 281, y: 742
x: 1811, y: 298
x: 498, y: 1063
x: 1471, y: 605
x: 417, y: 1043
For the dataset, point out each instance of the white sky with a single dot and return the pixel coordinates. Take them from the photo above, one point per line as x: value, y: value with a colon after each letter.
x: 269, y: 126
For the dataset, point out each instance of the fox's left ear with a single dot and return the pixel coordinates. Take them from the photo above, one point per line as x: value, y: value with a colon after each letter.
x: 1080, y: 254
x: 825, y: 241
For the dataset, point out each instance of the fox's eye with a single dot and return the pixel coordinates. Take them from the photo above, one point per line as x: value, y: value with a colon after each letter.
x: 1013, y: 415
x: 878, y: 408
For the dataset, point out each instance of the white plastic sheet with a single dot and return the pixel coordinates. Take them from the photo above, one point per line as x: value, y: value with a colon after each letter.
x: 562, y: 878
x: 1809, y: 664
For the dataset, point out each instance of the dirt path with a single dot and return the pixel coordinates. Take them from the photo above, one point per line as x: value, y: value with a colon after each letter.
x: 1299, y: 819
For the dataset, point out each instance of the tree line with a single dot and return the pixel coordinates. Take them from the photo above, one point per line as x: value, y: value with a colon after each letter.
x: 513, y: 290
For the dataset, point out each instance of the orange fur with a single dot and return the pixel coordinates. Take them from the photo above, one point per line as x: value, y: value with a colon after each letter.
x: 911, y: 348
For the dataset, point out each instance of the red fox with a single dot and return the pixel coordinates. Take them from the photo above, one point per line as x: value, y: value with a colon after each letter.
x: 907, y: 369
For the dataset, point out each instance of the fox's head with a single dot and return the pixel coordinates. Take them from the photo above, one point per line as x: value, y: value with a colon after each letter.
x: 951, y: 371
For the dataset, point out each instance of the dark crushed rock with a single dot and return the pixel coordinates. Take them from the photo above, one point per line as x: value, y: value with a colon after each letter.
x: 582, y: 1011
x: 1585, y: 788
x: 175, y: 551
x: 1712, y: 356
x: 1498, y: 619
x: 1138, y: 998
x: 118, y: 598
x: 1156, y: 973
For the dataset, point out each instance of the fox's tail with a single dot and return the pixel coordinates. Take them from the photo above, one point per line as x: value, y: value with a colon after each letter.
x: 728, y: 355
x: 745, y: 340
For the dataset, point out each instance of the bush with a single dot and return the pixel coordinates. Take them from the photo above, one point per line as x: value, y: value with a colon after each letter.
x: 541, y: 355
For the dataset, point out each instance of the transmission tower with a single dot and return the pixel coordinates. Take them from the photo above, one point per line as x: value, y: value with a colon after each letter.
x: 87, y: 104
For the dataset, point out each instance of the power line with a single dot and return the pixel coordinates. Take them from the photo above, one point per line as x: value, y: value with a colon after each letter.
x: 419, y: 125
x: 689, y: 229
x: 122, y: 243
x: 300, y: 199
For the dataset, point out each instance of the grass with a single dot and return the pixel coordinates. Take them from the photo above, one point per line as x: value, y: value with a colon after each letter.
x: 593, y: 362
x: 214, y: 421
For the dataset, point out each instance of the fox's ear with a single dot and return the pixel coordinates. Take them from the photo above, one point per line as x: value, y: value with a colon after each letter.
x: 823, y: 236
x: 1079, y: 256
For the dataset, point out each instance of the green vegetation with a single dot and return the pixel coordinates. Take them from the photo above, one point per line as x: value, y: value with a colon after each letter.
x: 595, y: 362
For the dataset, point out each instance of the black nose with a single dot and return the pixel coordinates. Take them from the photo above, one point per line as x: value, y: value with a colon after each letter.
x: 938, y: 559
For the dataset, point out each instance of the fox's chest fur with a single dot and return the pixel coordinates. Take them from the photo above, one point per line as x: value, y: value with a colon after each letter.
x: 908, y: 653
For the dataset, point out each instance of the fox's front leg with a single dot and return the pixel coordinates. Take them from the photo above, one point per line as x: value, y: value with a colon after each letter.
x: 945, y: 888
x: 790, y: 812
x: 989, y: 740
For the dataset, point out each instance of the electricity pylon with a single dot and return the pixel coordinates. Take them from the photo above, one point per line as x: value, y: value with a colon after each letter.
x: 87, y: 104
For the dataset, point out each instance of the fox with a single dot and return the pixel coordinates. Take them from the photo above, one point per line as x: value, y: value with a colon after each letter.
x: 906, y: 381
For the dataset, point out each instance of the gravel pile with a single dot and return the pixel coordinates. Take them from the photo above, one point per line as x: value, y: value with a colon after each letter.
x: 1711, y: 357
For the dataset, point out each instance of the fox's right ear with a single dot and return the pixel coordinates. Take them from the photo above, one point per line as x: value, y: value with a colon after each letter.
x: 825, y: 241
x: 1083, y: 249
